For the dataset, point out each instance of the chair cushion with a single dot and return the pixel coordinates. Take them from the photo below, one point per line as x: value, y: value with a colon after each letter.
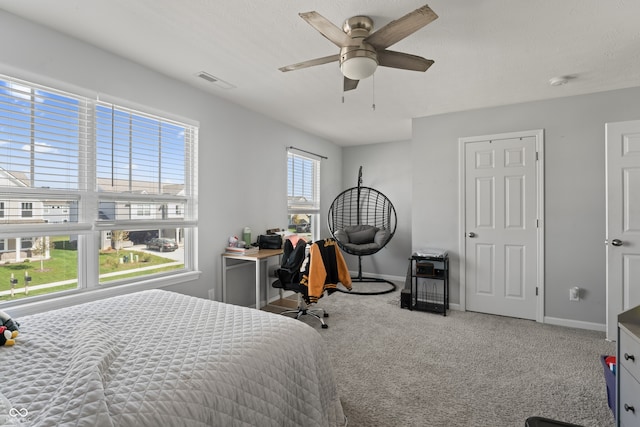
x: 362, y: 249
x: 341, y: 236
x: 382, y: 237
x: 361, y: 234
x: 362, y: 239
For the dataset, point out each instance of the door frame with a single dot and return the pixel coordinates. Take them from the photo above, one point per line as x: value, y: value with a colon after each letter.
x: 538, y: 134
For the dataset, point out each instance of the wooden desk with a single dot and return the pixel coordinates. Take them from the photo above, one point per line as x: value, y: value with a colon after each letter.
x: 262, y: 256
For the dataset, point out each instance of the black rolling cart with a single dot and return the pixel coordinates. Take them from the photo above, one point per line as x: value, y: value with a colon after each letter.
x: 429, y: 282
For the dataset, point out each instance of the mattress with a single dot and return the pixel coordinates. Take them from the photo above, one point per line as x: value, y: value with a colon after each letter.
x: 158, y: 358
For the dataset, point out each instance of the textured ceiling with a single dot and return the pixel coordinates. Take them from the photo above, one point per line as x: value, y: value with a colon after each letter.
x: 486, y: 53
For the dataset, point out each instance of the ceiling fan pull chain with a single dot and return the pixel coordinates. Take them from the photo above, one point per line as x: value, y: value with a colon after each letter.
x: 342, y: 86
x: 373, y: 102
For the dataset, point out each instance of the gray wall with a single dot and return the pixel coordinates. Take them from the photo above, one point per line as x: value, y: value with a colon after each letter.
x: 236, y: 190
x: 387, y: 168
x: 419, y: 176
x: 574, y: 188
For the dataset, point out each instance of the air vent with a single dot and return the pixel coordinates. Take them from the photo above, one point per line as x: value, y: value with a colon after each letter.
x: 208, y: 77
x: 214, y: 80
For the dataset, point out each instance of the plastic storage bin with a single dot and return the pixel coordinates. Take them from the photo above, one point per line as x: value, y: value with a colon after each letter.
x: 610, y: 378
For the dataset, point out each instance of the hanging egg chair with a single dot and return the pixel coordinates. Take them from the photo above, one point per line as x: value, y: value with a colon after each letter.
x: 362, y: 220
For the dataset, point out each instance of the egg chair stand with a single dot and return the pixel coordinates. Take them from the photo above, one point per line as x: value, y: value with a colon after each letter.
x: 363, y: 221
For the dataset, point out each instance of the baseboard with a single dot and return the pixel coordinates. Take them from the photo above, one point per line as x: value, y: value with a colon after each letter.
x: 575, y: 324
x: 379, y: 276
x: 550, y: 320
x: 560, y: 322
x: 455, y: 307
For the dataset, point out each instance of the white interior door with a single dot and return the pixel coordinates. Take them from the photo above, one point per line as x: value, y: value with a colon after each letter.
x: 501, y: 225
x: 623, y: 219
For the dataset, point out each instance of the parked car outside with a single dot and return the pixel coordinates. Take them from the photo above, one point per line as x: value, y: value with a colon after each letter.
x: 162, y: 244
x: 142, y: 237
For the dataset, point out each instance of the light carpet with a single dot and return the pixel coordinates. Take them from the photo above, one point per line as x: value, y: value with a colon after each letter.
x: 397, y: 367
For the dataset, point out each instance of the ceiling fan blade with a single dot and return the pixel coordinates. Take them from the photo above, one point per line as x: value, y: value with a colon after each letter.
x: 405, y: 61
x: 325, y: 27
x: 310, y: 63
x: 396, y: 30
x: 350, y: 84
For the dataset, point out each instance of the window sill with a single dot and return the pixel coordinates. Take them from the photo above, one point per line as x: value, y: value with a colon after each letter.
x: 83, y: 296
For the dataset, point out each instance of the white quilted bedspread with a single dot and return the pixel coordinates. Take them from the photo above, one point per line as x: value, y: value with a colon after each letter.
x: 158, y: 358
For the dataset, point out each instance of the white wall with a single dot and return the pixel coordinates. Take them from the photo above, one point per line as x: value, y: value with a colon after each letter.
x: 575, y: 188
x: 242, y: 157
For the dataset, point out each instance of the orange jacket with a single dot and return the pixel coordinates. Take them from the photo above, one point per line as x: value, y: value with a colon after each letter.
x: 325, y: 269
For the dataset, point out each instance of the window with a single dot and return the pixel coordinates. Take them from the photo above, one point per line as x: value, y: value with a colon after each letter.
x: 27, y: 210
x: 26, y: 243
x: 93, y: 175
x: 144, y: 210
x: 303, y: 195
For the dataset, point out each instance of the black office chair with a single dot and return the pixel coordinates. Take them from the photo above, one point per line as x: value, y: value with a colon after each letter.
x: 289, y: 276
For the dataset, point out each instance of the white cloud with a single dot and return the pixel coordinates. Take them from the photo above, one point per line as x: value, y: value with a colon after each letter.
x: 41, y: 147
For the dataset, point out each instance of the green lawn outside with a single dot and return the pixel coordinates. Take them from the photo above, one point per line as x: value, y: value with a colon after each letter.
x: 110, y: 261
x: 62, y: 266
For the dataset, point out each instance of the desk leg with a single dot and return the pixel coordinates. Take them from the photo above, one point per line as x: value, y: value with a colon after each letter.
x: 258, y: 277
x: 224, y: 279
x: 266, y: 280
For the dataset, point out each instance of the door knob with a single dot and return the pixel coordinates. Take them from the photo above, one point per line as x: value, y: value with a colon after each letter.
x: 616, y: 242
x: 471, y: 234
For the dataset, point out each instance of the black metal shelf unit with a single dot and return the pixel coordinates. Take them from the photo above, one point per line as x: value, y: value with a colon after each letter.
x: 430, y: 283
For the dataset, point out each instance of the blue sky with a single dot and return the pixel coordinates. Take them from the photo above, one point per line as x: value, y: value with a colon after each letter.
x: 43, y: 130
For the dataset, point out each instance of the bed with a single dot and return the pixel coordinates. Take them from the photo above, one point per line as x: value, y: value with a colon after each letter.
x: 159, y: 358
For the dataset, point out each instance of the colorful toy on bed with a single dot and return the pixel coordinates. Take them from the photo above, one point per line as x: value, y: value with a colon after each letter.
x: 6, y: 337
x: 11, y: 325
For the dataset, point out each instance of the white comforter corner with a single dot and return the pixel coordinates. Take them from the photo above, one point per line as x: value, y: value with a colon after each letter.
x: 158, y: 358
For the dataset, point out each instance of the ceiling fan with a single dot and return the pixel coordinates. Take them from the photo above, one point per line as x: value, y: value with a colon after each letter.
x: 362, y: 51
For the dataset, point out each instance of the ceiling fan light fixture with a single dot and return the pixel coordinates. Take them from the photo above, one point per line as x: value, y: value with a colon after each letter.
x: 359, y: 67
x: 358, y: 63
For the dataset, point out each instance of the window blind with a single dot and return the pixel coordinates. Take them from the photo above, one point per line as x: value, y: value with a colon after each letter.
x: 142, y: 159
x: 139, y: 153
x: 303, y: 182
x: 42, y: 134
